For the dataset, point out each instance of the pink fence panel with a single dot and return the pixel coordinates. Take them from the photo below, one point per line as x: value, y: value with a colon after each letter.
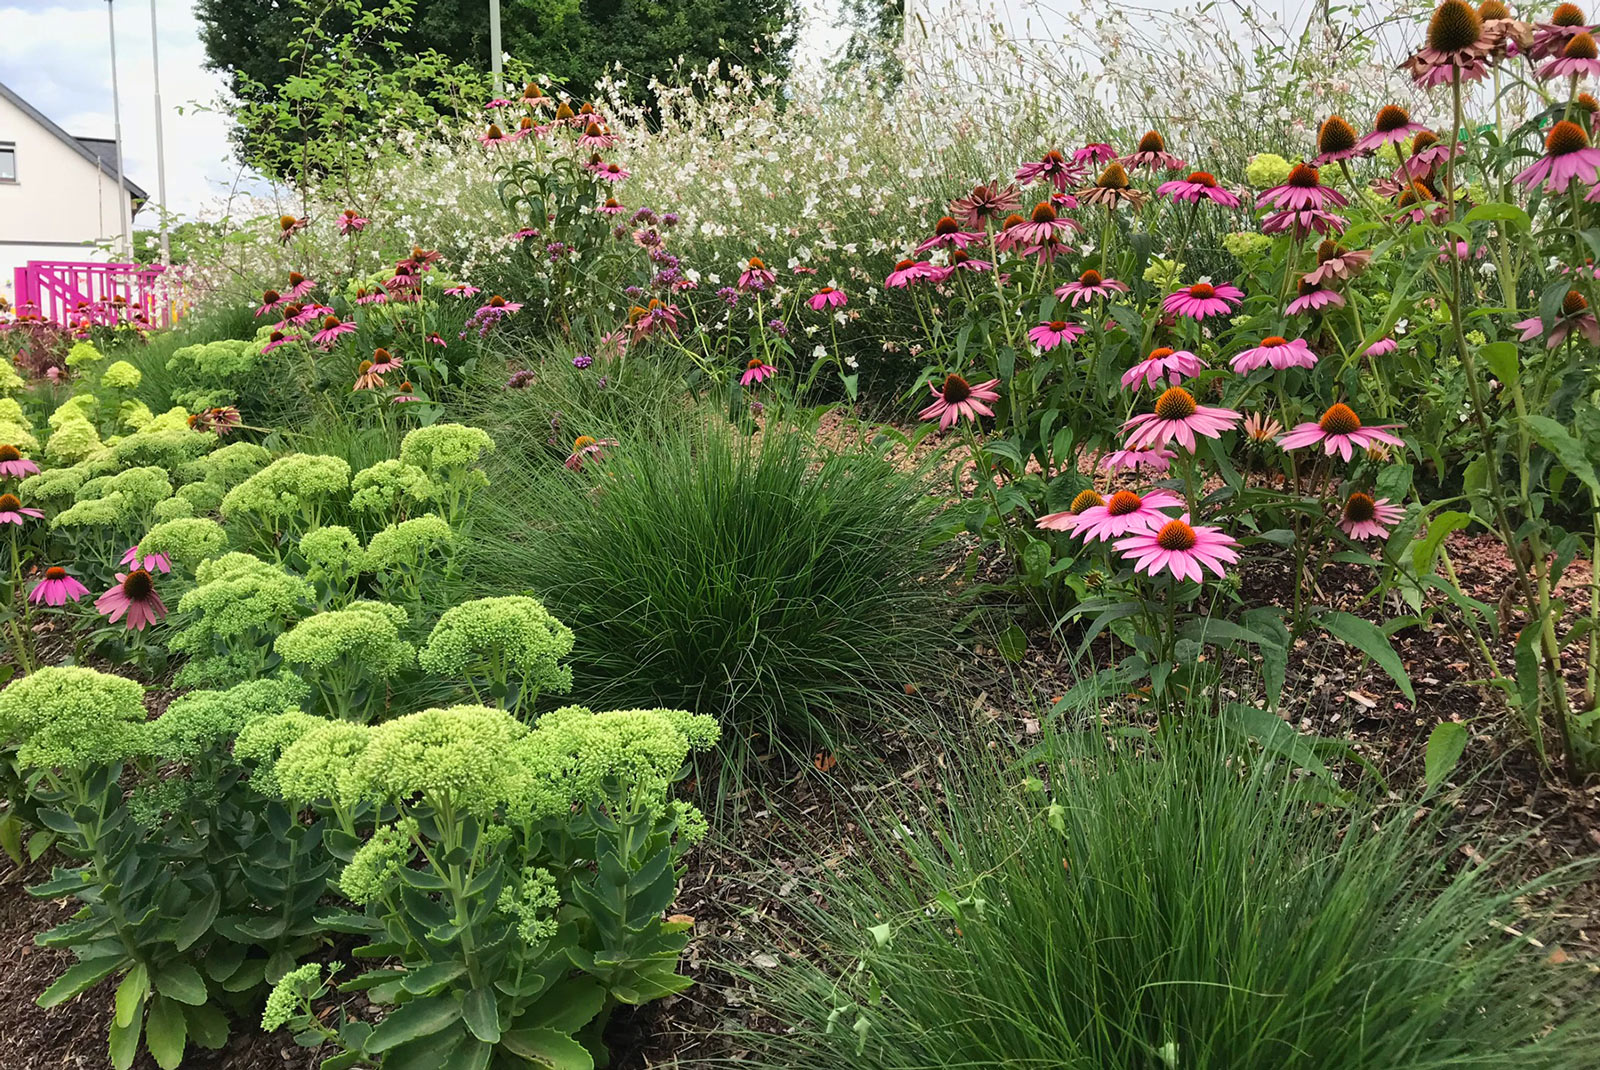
x: 70, y: 293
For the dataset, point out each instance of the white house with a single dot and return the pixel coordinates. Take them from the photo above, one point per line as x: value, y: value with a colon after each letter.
x: 58, y: 193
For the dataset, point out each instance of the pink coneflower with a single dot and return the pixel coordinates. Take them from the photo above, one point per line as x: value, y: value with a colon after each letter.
x: 1124, y: 513
x: 1566, y: 22
x: 1180, y: 548
x: 1568, y: 156
x: 384, y: 362
x: 366, y: 377
x: 585, y: 448
x: 1428, y: 154
x: 278, y: 338
x: 404, y: 278
x: 827, y: 297
x: 462, y: 289
x: 757, y: 371
x: 221, y: 419
x: 1177, y: 417
x: 12, y: 511
x: 271, y: 301
x: 1392, y: 126
x: 1275, y: 352
x: 947, y: 234
x: 1067, y: 519
x: 350, y: 222
x: 612, y: 207
x: 289, y: 226
x: 646, y: 321
x: 134, y: 595
x: 1046, y: 251
x: 596, y: 136
x: 1573, y: 316
x: 1303, y: 189
x: 1042, y: 227
x: 1460, y: 250
x: 756, y: 275
x: 1112, y: 188
x: 1313, y: 297
x: 1418, y: 205
x: 1304, y: 221
x: 1152, y: 153
x: 1063, y: 202
x: 1200, y: 185
x: 1336, y: 140
x: 1204, y: 299
x: 1175, y: 365
x: 1381, y: 348
x: 495, y: 136
x: 1048, y: 336
x: 149, y: 562
x: 1088, y: 286
x: 57, y: 588
x: 1339, y: 431
x: 13, y: 465
x: 1096, y: 152
x: 332, y: 328
x: 607, y: 171
x: 1053, y: 168
x: 497, y: 307
x: 907, y: 272
x: 377, y: 296
x: 956, y: 398
x: 299, y: 286
x: 1366, y: 518
x: 959, y: 261
x: 986, y: 204
x: 1338, y: 265
x: 1156, y: 459
x: 403, y: 395
x: 1457, y: 49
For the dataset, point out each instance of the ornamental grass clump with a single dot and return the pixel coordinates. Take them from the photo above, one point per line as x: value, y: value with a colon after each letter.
x: 348, y: 656
x: 506, y: 650
x: 231, y: 617
x: 481, y: 880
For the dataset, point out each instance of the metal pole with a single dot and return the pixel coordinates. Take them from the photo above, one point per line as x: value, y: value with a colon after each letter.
x: 123, y: 208
x: 161, y: 152
x: 494, y: 48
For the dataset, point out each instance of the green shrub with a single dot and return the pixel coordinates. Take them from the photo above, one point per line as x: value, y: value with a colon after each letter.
x: 775, y: 586
x: 1165, y: 909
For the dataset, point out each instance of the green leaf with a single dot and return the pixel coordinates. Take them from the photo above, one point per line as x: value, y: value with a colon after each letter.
x: 130, y: 994
x: 208, y: 1026
x: 1367, y: 638
x: 418, y: 982
x: 1446, y: 743
x: 1499, y: 211
x: 124, y: 1042
x: 1502, y: 360
x: 548, y: 1048
x: 419, y: 1018
x: 1568, y: 450
x: 1426, y: 550
x: 568, y: 1007
x: 166, y: 1031
x: 197, y: 922
x: 1013, y: 643
x: 79, y: 978
x: 482, y: 1015
x: 182, y: 982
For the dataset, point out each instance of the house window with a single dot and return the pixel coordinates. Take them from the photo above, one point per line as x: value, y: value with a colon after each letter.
x: 8, y: 161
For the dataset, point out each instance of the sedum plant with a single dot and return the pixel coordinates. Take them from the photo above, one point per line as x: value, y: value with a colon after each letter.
x: 189, y: 540
x: 391, y: 489
x: 505, y: 649
x: 334, y: 560
x: 286, y: 497
x: 519, y: 878
x: 449, y: 454
x: 400, y: 555
x: 238, y: 607
x: 347, y: 655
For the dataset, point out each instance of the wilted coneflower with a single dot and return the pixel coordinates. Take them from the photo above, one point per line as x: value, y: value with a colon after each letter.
x: 955, y: 398
x: 1336, y: 264
x: 1381, y: 348
x: 1053, y: 168
x: 289, y: 226
x: 1200, y: 185
x: 1574, y: 315
x: 1177, y: 417
x: 1566, y: 22
x: 1088, y: 286
x: 1312, y: 297
x: 1067, y: 518
x: 1203, y: 299
x: 57, y: 588
x: 827, y: 297
x: 352, y: 222
x: 1048, y: 336
x: 1174, y: 365
x: 1339, y: 432
x: 1112, y: 189
x: 1393, y: 126
x: 1336, y: 140
x: 366, y: 378
x: 299, y: 286
x: 1275, y: 352
x: 1180, y: 548
x: 947, y: 234
x: 907, y: 272
x: 986, y: 204
x: 13, y: 465
x: 1152, y: 153
x: 1456, y: 49
x: 13, y: 512
x: 1156, y: 459
x: 332, y: 328
x: 756, y: 275
x: 1578, y: 58
x: 135, y: 597
x: 585, y: 448
x: 1260, y: 429
x: 1366, y: 518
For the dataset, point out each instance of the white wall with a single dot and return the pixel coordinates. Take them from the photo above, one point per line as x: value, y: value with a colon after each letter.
x: 14, y: 256
x: 59, y: 196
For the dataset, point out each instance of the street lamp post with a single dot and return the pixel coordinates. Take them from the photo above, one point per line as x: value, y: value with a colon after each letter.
x: 123, y: 208
x: 161, y: 153
x: 494, y: 48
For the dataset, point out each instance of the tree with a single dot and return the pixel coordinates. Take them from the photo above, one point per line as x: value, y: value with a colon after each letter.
x: 261, y: 44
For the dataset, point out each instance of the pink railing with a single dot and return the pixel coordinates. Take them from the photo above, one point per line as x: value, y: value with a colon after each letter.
x: 70, y: 293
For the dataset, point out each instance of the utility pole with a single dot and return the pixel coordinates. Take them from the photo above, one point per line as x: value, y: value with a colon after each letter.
x: 124, y: 211
x: 161, y: 151
x: 494, y: 48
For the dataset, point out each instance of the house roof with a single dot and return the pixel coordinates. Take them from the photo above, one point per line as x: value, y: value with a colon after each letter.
x: 102, y: 152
